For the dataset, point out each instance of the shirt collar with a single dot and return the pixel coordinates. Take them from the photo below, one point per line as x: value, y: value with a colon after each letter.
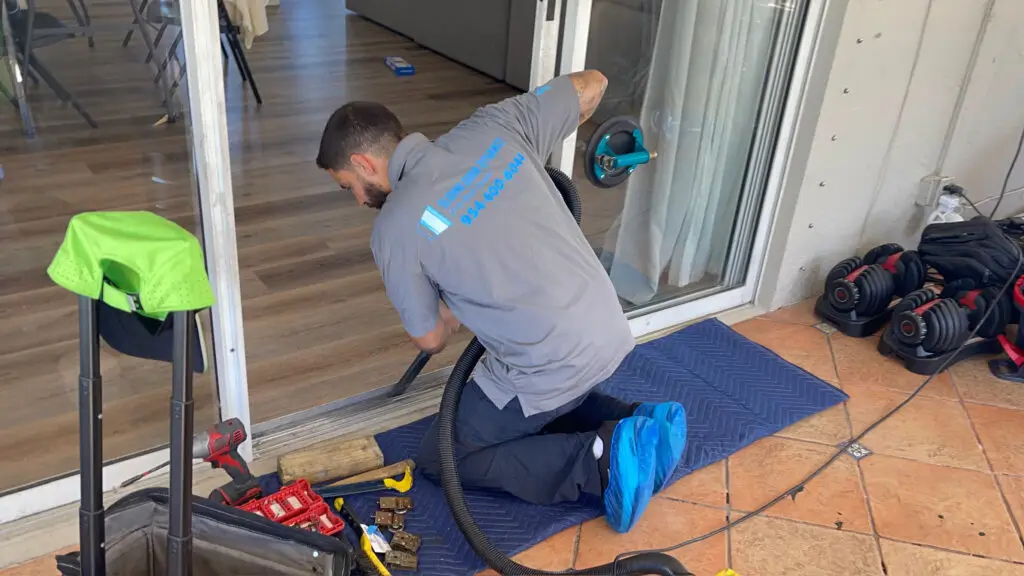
x: 408, y: 152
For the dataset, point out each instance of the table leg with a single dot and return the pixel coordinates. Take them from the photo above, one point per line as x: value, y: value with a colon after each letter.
x: 27, y: 124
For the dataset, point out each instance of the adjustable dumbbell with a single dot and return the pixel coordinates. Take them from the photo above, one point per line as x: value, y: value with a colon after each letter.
x: 922, y: 318
x: 908, y: 270
x: 978, y: 302
x: 852, y: 286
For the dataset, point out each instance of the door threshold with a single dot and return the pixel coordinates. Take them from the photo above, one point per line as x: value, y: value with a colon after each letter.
x: 364, y: 414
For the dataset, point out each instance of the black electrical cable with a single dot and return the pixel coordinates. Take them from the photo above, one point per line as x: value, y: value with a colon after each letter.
x: 1009, y: 172
x: 959, y: 191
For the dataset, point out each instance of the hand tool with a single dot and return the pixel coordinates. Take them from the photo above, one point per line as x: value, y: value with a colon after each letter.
x: 389, y: 471
x: 218, y: 445
x: 401, y: 486
x: 369, y: 562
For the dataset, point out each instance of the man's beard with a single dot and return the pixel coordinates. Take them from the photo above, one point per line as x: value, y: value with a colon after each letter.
x: 375, y: 195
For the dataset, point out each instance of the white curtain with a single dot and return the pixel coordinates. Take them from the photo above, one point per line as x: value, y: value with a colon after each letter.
x: 704, y: 88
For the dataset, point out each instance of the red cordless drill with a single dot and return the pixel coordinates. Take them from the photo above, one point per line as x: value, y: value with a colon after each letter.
x: 218, y: 445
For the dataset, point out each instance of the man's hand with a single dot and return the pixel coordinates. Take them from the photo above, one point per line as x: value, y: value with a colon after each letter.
x: 450, y: 321
x: 434, y: 342
x: 590, y: 86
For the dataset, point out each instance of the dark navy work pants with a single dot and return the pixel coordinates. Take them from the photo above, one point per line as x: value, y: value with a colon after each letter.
x: 543, y: 459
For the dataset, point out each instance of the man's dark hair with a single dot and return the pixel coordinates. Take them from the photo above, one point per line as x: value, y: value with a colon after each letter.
x: 358, y: 128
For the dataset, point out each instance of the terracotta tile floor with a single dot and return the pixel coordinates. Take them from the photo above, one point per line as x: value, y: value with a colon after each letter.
x: 941, y: 494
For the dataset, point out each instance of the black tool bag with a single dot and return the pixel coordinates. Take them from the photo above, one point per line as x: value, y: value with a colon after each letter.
x: 225, y: 540
x: 169, y: 532
x: 973, y: 253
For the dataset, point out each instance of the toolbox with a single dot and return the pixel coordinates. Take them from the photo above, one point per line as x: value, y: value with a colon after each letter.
x: 153, y: 532
x: 297, y: 505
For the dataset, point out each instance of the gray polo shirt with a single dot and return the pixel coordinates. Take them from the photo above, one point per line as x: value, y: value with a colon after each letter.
x: 474, y: 220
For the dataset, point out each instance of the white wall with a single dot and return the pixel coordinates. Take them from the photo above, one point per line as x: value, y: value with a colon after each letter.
x: 914, y: 88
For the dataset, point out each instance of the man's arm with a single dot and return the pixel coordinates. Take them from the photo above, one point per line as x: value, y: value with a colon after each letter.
x: 434, y: 342
x: 590, y: 86
x: 550, y: 113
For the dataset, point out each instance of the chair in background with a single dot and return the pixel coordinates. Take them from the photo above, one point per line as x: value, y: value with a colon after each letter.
x: 160, y: 14
x: 31, y: 30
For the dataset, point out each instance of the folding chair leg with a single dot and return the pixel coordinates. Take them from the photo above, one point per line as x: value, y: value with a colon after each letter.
x: 131, y: 29
x: 243, y: 66
x: 81, y: 14
x: 88, y: 21
x: 28, y: 125
x: 31, y: 75
x: 177, y: 81
x: 237, y: 57
x: 252, y: 81
x: 171, y: 54
x: 60, y: 90
x: 156, y: 41
x: 152, y: 49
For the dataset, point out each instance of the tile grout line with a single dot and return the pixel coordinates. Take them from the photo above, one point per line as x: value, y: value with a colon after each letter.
x: 860, y: 471
x: 952, y: 551
x: 835, y: 364
x: 871, y: 516
x: 950, y: 466
x: 576, y: 547
x: 988, y: 461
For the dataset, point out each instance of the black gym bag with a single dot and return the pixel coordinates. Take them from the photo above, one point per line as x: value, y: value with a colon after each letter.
x: 974, y: 253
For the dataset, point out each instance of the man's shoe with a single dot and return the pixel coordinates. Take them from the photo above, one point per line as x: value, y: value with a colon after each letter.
x: 671, y: 419
x: 630, y: 460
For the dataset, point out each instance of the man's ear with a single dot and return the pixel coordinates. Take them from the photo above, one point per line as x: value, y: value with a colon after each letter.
x: 363, y: 163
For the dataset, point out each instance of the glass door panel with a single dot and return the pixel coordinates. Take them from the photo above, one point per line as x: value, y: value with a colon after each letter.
x: 701, y: 77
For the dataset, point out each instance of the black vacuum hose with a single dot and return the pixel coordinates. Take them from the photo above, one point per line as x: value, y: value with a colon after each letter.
x: 640, y: 565
x: 411, y: 373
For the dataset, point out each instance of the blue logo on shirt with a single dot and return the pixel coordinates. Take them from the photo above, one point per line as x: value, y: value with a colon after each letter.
x: 434, y: 221
x: 543, y: 89
x: 474, y: 191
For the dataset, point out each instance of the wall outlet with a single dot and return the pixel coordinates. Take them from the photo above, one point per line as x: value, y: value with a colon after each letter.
x: 931, y: 188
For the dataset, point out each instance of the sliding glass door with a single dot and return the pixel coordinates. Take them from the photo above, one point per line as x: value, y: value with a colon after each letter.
x: 707, y: 81
x: 104, y: 117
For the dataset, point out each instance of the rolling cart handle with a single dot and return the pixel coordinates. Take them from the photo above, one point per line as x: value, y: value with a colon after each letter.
x: 90, y: 435
x: 90, y: 385
x: 179, y: 534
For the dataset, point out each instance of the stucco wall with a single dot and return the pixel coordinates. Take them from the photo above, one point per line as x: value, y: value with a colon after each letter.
x: 905, y: 89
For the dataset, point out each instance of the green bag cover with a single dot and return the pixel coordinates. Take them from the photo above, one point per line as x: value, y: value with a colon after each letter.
x: 134, y: 261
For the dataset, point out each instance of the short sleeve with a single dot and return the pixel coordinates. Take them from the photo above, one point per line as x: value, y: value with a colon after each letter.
x: 543, y: 117
x: 410, y: 291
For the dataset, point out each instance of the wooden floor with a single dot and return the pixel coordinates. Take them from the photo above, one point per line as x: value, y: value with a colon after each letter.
x: 318, y: 326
